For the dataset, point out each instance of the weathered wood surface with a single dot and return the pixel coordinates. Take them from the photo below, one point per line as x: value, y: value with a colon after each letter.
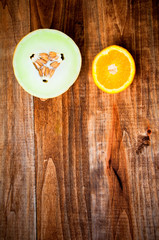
x: 79, y: 166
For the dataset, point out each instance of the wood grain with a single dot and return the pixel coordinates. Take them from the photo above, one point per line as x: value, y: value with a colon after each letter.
x: 17, y: 165
x: 81, y: 166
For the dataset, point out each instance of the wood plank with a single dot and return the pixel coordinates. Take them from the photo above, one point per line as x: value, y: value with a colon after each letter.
x: 59, y: 131
x: 126, y: 192
x: 17, y: 170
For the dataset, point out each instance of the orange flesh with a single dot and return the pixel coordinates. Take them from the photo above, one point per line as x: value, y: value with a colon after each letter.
x: 113, y: 69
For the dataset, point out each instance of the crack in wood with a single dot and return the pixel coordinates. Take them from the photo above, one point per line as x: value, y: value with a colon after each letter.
x: 116, y: 174
x: 118, y: 178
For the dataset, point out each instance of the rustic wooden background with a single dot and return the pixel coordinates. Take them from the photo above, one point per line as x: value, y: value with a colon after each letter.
x: 81, y: 166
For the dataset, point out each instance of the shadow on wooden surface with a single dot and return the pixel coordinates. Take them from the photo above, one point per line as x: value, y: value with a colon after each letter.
x: 76, y: 167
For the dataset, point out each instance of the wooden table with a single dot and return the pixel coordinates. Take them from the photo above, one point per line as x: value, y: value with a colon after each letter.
x: 82, y: 165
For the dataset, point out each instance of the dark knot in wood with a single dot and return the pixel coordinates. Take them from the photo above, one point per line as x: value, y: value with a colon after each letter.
x: 144, y: 142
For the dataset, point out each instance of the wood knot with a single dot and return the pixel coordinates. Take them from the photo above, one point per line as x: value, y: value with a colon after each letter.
x: 144, y: 141
x: 149, y: 131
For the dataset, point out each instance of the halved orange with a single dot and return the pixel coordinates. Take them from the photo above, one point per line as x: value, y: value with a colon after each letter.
x: 113, y: 69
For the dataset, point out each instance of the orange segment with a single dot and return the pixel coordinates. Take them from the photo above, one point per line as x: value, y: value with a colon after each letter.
x: 113, y: 69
